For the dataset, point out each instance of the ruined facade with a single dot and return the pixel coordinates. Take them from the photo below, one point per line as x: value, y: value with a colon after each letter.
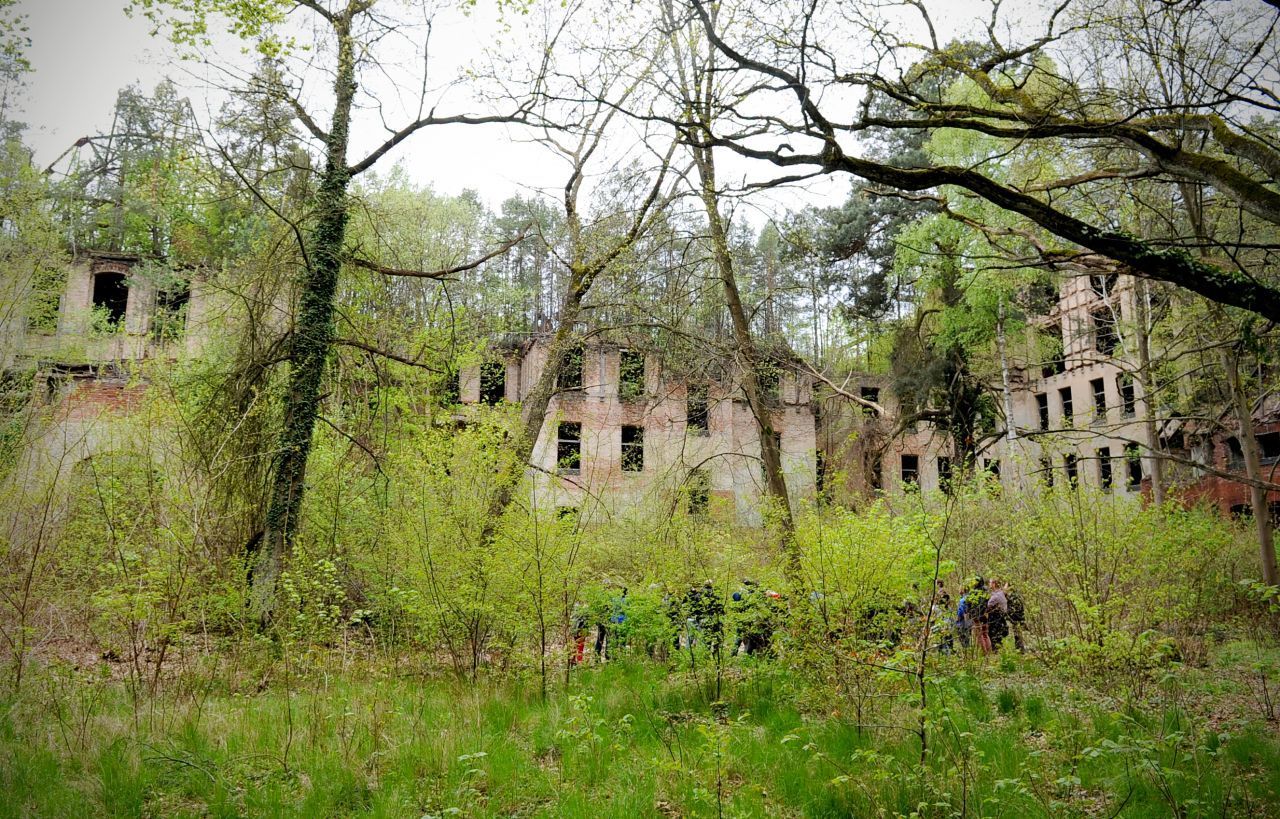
x: 1078, y: 416
x: 111, y: 310
x: 623, y: 430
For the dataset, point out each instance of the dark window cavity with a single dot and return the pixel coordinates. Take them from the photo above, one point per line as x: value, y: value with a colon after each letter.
x: 632, y: 448
x: 631, y: 375
x: 1128, y: 400
x: 570, y: 376
x: 911, y: 469
x: 569, y: 448
x: 111, y: 295
x: 1133, y: 466
x: 493, y: 382
x: 696, y: 409
x: 1099, y: 388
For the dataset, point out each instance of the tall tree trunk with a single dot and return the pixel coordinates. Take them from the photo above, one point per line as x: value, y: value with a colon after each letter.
x: 1253, y: 468
x: 312, y: 338
x: 749, y: 356
x: 1146, y: 379
x: 533, y: 409
x: 1006, y: 385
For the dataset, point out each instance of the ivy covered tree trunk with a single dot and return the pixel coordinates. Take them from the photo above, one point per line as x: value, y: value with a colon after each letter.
x: 312, y: 339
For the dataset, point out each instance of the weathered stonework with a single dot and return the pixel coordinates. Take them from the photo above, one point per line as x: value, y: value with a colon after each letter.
x: 728, y: 450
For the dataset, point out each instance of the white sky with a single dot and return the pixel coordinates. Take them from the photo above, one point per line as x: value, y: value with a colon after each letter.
x: 84, y: 51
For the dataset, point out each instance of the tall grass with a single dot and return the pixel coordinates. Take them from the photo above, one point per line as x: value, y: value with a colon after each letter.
x: 634, y: 738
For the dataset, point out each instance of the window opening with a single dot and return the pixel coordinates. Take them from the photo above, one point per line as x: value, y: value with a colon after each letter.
x: 1099, y: 388
x: 1128, y: 400
x: 1055, y: 356
x: 570, y: 376
x: 630, y: 375
x: 1133, y: 466
x: 1103, y: 284
x: 170, y: 318
x: 1235, y: 453
x: 770, y: 380
x: 632, y: 448
x: 111, y: 295
x: 697, y: 410
x: 910, y: 469
x: 1269, y: 446
x: 493, y: 382
x: 1105, y: 338
x: 569, y: 448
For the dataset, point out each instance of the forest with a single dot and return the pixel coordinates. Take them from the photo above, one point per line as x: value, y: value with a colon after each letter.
x: 856, y: 409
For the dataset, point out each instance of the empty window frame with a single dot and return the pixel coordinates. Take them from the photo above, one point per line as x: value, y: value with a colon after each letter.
x: 1235, y: 453
x: 871, y: 394
x: 1055, y: 356
x: 697, y: 410
x: 1046, y: 471
x: 170, y: 317
x: 770, y: 380
x: 1064, y: 397
x: 1105, y: 337
x: 1072, y: 466
x: 992, y: 467
x: 910, y: 469
x: 1269, y: 447
x: 630, y: 375
x: 632, y: 448
x: 1128, y: 399
x: 111, y: 295
x: 1098, y: 387
x: 1104, y: 467
x: 1042, y: 409
x: 493, y: 382
x: 1103, y: 284
x: 569, y: 448
x: 1133, y: 466
x: 570, y: 376
x: 944, y: 474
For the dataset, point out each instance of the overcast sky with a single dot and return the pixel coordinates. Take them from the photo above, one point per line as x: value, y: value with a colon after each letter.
x: 84, y: 51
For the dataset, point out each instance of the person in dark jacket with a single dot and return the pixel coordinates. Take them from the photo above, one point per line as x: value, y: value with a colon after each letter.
x: 997, y: 614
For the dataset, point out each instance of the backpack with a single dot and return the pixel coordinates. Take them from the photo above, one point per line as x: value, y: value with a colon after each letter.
x: 1017, y: 612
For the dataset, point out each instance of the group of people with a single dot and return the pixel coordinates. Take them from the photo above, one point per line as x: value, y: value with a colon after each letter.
x: 696, y: 619
x: 988, y: 613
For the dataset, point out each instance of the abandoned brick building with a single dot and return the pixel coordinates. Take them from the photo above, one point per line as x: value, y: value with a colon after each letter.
x: 1078, y: 416
x: 625, y: 429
